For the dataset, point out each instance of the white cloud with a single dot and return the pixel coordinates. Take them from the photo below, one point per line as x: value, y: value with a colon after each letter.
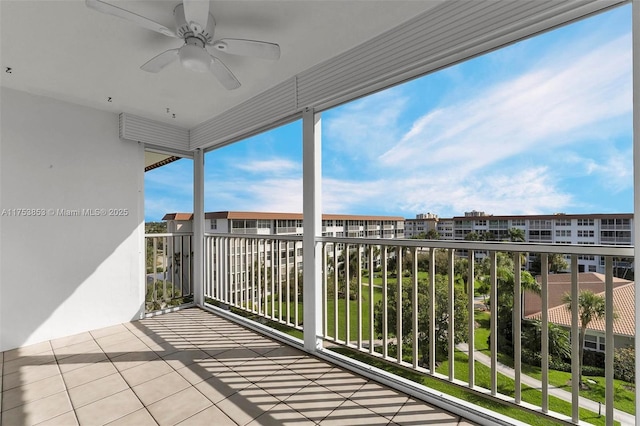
x: 532, y: 192
x: 273, y: 194
x: 367, y: 127
x: 276, y: 166
x: 550, y: 106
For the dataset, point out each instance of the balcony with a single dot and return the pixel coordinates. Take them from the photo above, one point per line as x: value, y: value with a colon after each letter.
x: 76, y: 142
x: 360, y: 313
x: 191, y: 367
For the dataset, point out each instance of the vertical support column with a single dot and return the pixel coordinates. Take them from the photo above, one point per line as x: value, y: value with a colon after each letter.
x: 142, y: 251
x: 312, y: 216
x: 198, y: 227
x: 635, y: 25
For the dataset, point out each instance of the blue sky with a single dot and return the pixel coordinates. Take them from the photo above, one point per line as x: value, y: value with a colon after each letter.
x: 538, y: 127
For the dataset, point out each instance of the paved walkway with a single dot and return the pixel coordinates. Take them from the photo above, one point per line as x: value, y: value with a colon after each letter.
x: 621, y: 416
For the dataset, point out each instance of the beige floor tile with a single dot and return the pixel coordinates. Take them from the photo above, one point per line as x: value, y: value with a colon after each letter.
x: 160, y: 387
x: 71, y: 340
x: 27, y: 351
x: 379, y: 399
x: 88, y: 374
x: 343, y: 382
x: 111, y: 339
x: 285, y: 355
x: 179, y: 406
x: 16, y: 364
x: 29, y: 374
x: 137, y: 418
x: 233, y: 380
x: 96, y: 390
x: 133, y: 359
x: 284, y: 383
x: 194, y: 374
x: 281, y: 415
x: 125, y: 346
x: 237, y: 356
x: 38, y: 411
x: 215, y: 390
x: 66, y: 419
x: 32, y: 392
x: 80, y: 360
x: 82, y: 348
x: 145, y: 372
x: 244, y: 406
x: 185, y: 358
x: 310, y: 370
x: 109, y: 409
x: 351, y: 413
x: 210, y: 416
x: 418, y: 413
x: 114, y: 329
x: 315, y: 402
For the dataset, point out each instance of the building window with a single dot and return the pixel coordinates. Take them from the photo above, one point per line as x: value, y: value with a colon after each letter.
x: 585, y: 222
x: 594, y: 343
x: 214, y: 224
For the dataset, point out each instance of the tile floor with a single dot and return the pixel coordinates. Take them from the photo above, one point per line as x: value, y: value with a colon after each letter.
x: 191, y: 367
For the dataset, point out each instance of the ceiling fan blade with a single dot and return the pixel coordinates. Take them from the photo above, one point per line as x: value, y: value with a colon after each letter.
x: 196, y: 13
x: 256, y: 49
x: 162, y: 60
x: 222, y: 73
x: 141, y: 21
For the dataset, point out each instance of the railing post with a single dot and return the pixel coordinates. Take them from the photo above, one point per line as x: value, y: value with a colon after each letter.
x: 312, y: 217
x: 198, y: 227
x: 635, y: 49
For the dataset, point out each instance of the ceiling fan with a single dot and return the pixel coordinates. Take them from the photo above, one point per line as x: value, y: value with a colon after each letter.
x: 196, y: 26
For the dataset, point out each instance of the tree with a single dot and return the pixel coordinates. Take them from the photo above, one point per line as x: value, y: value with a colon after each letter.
x: 432, y: 234
x: 516, y: 235
x: 591, y: 307
x: 557, y: 264
x: 505, y: 274
x: 559, y: 342
x: 441, y: 318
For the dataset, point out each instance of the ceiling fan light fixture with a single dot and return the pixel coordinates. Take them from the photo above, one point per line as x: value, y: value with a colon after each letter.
x: 194, y: 58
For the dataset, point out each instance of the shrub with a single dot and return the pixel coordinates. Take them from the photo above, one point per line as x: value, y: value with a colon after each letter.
x: 593, y: 359
x: 624, y: 364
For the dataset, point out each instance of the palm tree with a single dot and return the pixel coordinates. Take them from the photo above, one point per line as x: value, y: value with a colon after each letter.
x: 591, y: 307
x: 516, y: 235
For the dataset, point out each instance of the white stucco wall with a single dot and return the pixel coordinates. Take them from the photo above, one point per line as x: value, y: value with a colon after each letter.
x: 61, y: 275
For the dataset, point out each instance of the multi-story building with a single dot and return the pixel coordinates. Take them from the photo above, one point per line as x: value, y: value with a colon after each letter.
x: 423, y: 223
x: 558, y: 228
x: 290, y: 255
x: 260, y: 223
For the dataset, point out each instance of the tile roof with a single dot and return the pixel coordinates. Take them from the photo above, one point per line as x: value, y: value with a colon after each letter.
x: 274, y: 215
x: 623, y: 305
x: 559, y: 284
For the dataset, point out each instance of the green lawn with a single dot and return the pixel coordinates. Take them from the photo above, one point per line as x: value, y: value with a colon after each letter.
x: 624, y: 398
x: 342, y: 310
x: 505, y: 385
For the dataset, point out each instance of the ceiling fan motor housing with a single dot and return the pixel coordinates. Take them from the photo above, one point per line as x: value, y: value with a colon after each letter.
x: 183, y: 30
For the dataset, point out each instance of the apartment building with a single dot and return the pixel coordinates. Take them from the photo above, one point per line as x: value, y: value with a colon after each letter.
x: 558, y: 228
x: 267, y: 223
x: 286, y: 256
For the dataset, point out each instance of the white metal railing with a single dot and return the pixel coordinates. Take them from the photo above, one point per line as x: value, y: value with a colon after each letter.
x: 169, y: 270
x: 378, y: 299
x: 260, y: 281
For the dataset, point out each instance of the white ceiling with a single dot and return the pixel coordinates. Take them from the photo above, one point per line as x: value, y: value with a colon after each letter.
x: 65, y: 50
